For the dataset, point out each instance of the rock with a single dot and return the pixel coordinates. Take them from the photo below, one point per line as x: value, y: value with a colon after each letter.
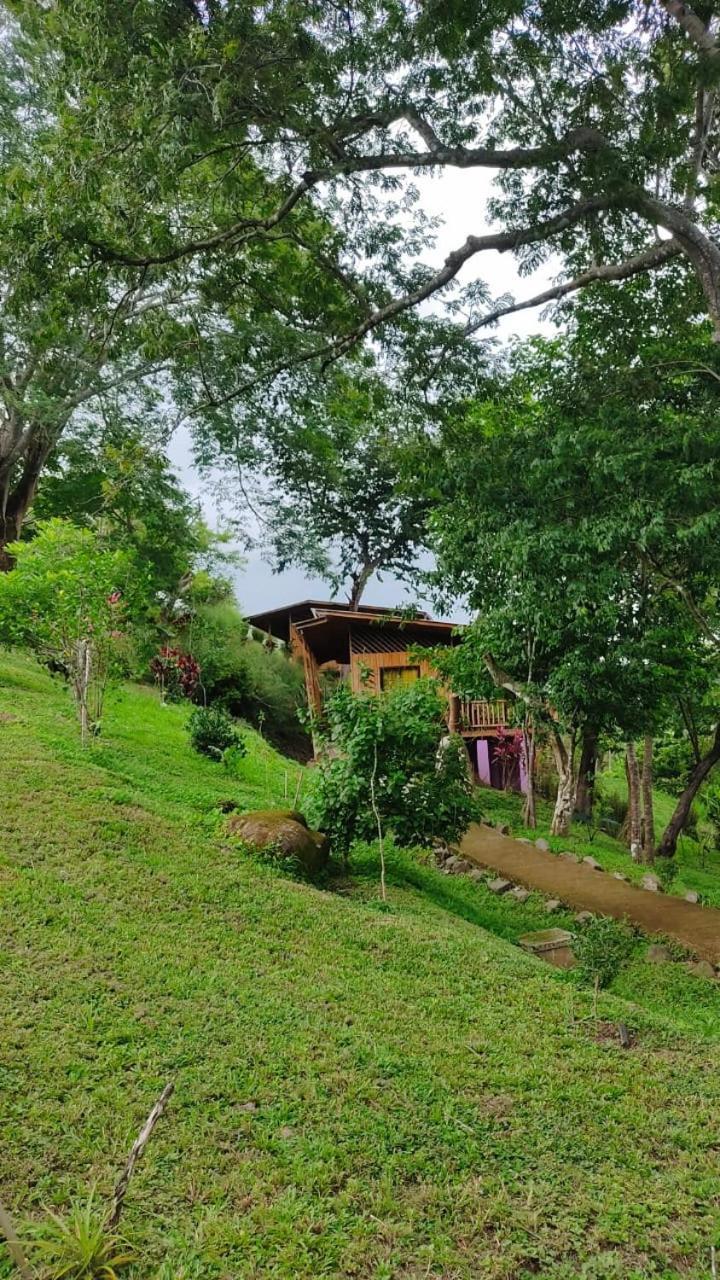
x: 651, y: 883
x: 619, y: 875
x: 583, y: 917
x: 451, y: 862
x: 692, y: 896
x: 499, y: 885
x: 553, y: 904
x: 460, y: 867
x: 285, y: 831
x: 658, y: 954
x: 523, y: 840
x: 520, y: 894
x: 592, y: 862
x: 542, y: 845
x: 568, y: 856
x: 476, y: 875
x: 701, y: 969
x: 502, y: 828
x: 552, y: 945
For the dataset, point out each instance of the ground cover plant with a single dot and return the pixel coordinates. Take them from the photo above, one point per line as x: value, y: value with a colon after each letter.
x: 359, y: 1091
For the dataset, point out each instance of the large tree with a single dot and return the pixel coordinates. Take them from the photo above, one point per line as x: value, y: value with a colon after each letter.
x: 259, y: 161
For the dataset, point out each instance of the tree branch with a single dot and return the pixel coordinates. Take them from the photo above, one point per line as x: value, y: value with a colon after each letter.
x: 693, y: 26
x: 645, y: 261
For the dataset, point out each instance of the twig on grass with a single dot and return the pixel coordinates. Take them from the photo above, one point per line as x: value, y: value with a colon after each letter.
x: 15, y: 1249
x: 138, y: 1147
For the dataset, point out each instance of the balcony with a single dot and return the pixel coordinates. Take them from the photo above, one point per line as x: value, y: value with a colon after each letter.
x: 477, y: 718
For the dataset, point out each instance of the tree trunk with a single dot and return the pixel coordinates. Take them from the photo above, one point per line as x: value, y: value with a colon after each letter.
x: 564, y: 803
x: 359, y: 583
x: 529, y: 819
x: 648, y: 827
x: 586, y: 775
x: 633, y: 778
x: 668, y: 843
x: 16, y: 501
x: 567, y: 783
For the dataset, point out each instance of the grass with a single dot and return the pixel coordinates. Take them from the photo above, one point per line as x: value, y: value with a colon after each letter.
x: 361, y: 1090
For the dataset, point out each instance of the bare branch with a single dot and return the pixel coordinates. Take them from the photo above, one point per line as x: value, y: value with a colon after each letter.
x: 641, y: 262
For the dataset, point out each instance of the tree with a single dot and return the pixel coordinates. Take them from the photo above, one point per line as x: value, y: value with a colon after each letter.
x: 114, y: 477
x: 336, y: 500
x: 69, y: 599
x: 555, y: 497
x: 225, y: 193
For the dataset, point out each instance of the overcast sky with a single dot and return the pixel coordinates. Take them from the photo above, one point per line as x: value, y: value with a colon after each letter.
x: 459, y: 198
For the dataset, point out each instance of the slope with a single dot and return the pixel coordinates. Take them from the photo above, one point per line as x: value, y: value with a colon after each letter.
x: 359, y: 1092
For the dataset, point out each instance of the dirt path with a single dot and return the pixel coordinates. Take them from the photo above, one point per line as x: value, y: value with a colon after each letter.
x: 587, y: 890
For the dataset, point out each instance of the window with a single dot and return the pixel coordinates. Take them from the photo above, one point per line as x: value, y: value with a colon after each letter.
x: 393, y: 677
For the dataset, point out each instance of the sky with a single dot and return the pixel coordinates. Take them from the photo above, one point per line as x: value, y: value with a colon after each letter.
x: 459, y: 198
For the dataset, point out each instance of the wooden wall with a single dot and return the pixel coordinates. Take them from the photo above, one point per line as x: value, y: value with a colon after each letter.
x: 374, y: 663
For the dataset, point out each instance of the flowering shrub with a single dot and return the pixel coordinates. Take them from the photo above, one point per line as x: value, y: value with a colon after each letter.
x: 177, y: 673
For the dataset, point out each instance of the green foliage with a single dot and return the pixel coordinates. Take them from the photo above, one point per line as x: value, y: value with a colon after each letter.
x: 80, y: 1246
x: 113, y: 476
x: 233, y: 756
x: 601, y: 949
x: 69, y: 599
x: 212, y: 732
x: 385, y: 759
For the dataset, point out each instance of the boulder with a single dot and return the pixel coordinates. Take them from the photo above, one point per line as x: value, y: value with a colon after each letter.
x: 658, y: 954
x: 499, y: 885
x: 520, y: 894
x: 286, y: 832
x: 692, y: 896
x: 542, y: 845
x: 651, y: 883
x: 583, y: 917
x: 592, y: 862
x: 523, y: 840
x: 568, y: 856
x: 476, y: 875
x: 620, y: 875
x: 460, y: 867
x: 552, y: 905
x: 701, y: 969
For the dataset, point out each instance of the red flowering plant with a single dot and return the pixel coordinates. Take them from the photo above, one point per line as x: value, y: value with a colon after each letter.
x: 177, y: 673
x: 508, y: 751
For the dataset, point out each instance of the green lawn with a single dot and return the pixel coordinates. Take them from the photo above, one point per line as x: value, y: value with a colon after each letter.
x: 361, y: 1090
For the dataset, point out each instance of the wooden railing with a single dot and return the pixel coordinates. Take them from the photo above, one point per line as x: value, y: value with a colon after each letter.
x: 482, y: 714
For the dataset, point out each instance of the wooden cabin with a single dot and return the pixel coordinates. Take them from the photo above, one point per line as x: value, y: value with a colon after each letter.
x: 371, y: 647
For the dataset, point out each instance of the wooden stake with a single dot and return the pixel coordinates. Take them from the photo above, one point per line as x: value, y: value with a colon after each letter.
x: 138, y: 1147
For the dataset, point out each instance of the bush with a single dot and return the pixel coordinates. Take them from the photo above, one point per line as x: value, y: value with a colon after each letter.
x: 69, y: 599
x: 213, y: 732
x: 389, y: 756
x: 601, y: 950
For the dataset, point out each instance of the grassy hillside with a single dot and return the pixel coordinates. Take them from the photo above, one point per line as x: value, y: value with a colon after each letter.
x: 361, y: 1090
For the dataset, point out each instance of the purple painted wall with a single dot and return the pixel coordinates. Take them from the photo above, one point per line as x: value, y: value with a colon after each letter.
x: 483, y: 761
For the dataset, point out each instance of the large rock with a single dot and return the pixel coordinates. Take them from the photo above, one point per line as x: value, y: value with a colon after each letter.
x: 651, y: 883
x: 658, y: 954
x: 542, y: 845
x: 592, y: 862
x: 701, y: 969
x: 692, y: 896
x: 520, y: 894
x: 286, y: 832
x: 499, y: 885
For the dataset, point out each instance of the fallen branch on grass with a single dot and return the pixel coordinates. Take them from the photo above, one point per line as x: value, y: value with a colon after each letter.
x: 138, y: 1147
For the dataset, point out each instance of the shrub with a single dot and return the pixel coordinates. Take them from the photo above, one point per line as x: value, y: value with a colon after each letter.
x: 68, y: 599
x: 388, y: 757
x: 177, y: 673
x: 212, y: 731
x: 601, y: 950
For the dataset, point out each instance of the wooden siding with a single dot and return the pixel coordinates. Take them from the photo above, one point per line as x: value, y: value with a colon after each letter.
x: 365, y: 668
